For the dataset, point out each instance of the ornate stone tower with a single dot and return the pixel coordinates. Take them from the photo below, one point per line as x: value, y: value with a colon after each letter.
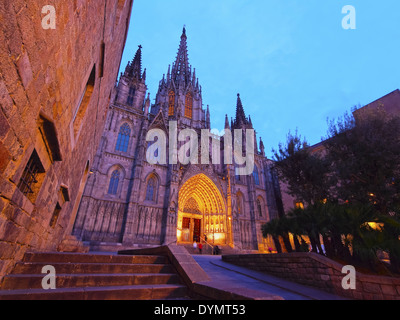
x: 131, y: 89
x: 179, y: 94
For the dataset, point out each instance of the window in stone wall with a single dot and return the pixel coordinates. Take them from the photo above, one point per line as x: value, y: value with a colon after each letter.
x: 83, y: 103
x: 63, y: 197
x: 259, y: 207
x: 131, y: 95
x: 123, y: 138
x: 256, y: 176
x: 32, y: 177
x: 189, y: 106
x: 102, y: 58
x: 48, y: 132
x: 151, y: 188
x: 114, y: 181
x: 171, y: 109
x: 239, y: 199
x: 56, y: 214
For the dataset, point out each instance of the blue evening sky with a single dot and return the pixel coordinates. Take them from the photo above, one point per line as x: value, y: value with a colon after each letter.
x: 291, y: 61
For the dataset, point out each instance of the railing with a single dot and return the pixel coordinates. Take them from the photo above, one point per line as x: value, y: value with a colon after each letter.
x: 208, y: 244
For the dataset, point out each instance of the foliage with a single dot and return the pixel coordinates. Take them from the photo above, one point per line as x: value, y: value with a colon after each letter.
x: 306, y: 174
x: 365, y: 157
x: 352, y: 183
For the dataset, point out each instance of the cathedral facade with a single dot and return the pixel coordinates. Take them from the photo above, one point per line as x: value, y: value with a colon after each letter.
x: 132, y: 201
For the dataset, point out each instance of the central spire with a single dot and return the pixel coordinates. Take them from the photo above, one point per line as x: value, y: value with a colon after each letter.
x: 181, y: 70
x: 240, y: 115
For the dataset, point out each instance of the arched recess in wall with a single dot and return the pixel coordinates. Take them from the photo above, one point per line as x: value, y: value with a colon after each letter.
x: 240, y: 208
x: 152, y: 184
x: 256, y: 175
x: 115, y: 178
x: 124, y: 136
x: 260, y: 207
x: 79, y: 197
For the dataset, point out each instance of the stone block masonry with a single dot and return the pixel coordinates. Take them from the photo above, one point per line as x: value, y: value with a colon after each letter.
x: 318, y: 271
x: 55, y: 87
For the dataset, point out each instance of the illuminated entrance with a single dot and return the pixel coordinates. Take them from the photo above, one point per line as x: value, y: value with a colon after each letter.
x: 202, y: 211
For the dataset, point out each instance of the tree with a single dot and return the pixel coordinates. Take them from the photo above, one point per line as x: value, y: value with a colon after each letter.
x: 365, y: 157
x: 306, y: 174
x: 365, y: 154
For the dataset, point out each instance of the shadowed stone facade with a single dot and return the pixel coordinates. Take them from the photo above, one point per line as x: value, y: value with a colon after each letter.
x: 129, y: 201
x: 55, y: 86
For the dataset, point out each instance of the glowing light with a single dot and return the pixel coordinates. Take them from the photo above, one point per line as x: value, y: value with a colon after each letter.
x: 376, y: 225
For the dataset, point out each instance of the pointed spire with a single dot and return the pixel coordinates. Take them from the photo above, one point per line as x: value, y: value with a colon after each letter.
x: 262, y: 148
x: 240, y: 115
x: 208, y: 121
x: 147, y: 105
x: 144, y: 75
x: 251, y: 124
x: 227, y: 122
x: 134, y: 68
x: 181, y: 70
x: 261, y: 143
x: 194, y: 77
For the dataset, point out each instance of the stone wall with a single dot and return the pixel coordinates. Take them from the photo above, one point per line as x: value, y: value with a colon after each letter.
x: 317, y: 271
x: 55, y: 87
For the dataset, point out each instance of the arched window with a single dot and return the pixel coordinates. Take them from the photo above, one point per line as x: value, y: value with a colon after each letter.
x: 171, y: 102
x: 123, y: 138
x: 189, y: 106
x: 239, y: 198
x: 113, y: 187
x: 255, y: 176
x: 131, y: 96
x: 151, y: 189
x: 259, y: 207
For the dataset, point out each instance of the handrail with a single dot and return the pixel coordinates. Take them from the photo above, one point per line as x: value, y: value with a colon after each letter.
x: 206, y: 242
x: 210, y: 245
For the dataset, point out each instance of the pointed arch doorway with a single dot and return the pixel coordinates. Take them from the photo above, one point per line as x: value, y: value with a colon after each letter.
x: 202, y: 211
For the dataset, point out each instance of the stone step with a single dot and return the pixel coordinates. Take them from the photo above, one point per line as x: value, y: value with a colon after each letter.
x: 95, y: 268
x: 135, y: 292
x: 34, y: 281
x: 94, y: 277
x: 92, y: 258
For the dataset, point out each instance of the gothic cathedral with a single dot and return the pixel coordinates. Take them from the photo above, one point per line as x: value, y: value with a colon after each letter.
x: 130, y: 202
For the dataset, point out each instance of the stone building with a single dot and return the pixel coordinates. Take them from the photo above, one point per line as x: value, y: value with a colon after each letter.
x: 55, y: 86
x: 129, y: 200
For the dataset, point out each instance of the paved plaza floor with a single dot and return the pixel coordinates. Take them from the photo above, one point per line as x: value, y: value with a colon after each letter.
x: 227, y: 276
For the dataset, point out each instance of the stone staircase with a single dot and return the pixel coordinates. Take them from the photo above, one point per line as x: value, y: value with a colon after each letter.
x: 94, y: 277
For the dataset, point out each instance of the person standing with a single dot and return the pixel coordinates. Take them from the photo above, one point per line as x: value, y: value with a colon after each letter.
x: 200, y: 247
x: 194, y: 246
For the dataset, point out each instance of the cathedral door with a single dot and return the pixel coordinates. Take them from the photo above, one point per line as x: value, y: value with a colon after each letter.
x: 186, y: 230
x: 202, y: 211
x: 197, y: 230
